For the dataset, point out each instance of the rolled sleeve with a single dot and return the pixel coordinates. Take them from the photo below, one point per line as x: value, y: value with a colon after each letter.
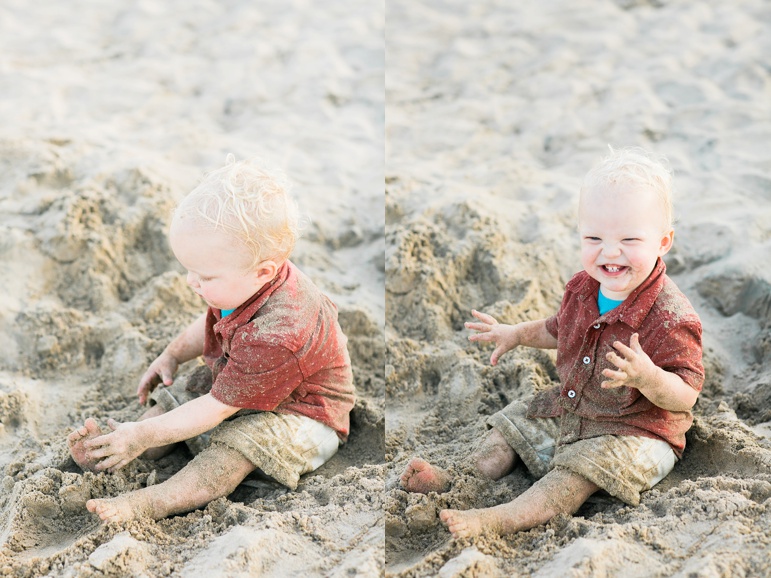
x: 679, y: 351
x: 552, y: 326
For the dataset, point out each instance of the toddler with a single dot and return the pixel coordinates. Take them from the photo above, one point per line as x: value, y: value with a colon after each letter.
x: 277, y: 388
x: 628, y: 356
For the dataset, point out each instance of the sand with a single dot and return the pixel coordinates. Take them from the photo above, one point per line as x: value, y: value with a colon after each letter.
x: 111, y: 114
x: 496, y: 110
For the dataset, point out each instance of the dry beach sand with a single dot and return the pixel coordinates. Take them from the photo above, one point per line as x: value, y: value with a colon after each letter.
x: 496, y: 110
x: 111, y: 111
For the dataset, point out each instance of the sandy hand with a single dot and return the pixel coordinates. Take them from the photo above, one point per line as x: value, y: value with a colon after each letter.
x: 635, y: 368
x: 161, y: 371
x: 488, y: 329
x: 114, y: 450
x: 89, y: 430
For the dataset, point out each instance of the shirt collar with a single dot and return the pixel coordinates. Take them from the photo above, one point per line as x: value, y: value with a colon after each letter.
x: 244, y: 312
x: 635, y: 308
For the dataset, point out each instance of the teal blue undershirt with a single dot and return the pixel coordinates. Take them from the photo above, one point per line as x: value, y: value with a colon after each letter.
x: 605, y: 304
x: 226, y: 312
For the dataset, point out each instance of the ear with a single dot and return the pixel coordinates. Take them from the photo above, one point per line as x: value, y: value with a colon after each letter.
x: 266, y: 271
x: 666, y: 242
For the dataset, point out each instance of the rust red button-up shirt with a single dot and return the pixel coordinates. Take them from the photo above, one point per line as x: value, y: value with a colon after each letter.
x: 670, y: 334
x: 283, y: 351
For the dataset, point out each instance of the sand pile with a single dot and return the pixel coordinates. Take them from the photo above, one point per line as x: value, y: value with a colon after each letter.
x: 495, y: 114
x: 112, y: 114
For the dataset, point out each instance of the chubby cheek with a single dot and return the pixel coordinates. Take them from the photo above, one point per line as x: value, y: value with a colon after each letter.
x: 639, y: 262
x: 207, y: 292
x: 588, y: 257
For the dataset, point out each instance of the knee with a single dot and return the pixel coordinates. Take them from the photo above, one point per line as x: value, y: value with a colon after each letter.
x: 494, y: 466
x: 153, y: 411
x: 223, y: 468
x: 495, y: 457
x: 567, y: 490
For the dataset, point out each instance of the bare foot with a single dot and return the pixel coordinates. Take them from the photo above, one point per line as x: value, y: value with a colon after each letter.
x: 90, y: 429
x: 421, y: 477
x: 118, y: 509
x: 463, y: 523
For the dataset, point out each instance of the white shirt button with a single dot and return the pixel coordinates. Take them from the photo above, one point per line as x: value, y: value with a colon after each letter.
x: 571, y: 394
x: 597, y: 326
x: 587, y: 361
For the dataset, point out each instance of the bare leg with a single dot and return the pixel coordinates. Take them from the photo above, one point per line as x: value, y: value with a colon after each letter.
x: 159, y: 452
x: 214, y: 473
x: 558, y: 492
x: 90, y: 429
x: 494, y: 458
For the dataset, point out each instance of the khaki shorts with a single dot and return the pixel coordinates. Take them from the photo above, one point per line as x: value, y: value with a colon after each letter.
x: 281, y: 446
x: 623, y: 466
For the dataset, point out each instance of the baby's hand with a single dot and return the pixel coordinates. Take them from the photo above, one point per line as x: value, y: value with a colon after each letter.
x: 635, y: 368
x: 503, y: 336
x: 114, y: 450
x: 161, y: 370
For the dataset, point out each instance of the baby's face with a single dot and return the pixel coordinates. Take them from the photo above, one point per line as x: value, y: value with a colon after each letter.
x: 215, y: 264
x: 623, y: 232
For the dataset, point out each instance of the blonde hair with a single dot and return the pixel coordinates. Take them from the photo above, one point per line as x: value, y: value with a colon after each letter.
x: 634, y: 166
x: 250, y: 202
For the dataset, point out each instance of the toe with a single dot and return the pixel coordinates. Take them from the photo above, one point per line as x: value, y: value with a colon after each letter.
x: 78, y: 434
x: 418, y: 464
x: 92, y: 427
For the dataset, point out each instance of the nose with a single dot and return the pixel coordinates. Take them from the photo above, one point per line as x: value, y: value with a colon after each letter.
x: 610, y: 250
x: 192, y: 280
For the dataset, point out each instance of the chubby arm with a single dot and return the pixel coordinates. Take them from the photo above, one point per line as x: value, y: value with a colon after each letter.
x: 635, y: 369
x: 507, y: 337
x: 128, y: 440
x: 186, y: 346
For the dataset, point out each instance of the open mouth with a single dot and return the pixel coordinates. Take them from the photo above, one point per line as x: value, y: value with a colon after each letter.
x: 614, y: 269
